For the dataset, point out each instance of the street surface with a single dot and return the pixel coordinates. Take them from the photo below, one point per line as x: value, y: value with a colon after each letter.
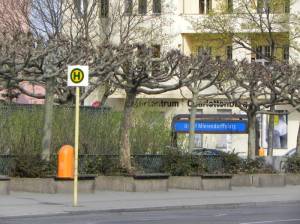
x: 288, y: 213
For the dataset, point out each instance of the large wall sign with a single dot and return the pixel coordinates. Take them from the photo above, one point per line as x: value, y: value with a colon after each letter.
x: 156, y: 103
x: 234, y: 127
x: 216, y: 103
x: 211, y: 124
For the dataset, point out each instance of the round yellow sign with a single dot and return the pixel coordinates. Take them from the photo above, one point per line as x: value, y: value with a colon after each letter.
x: 77, y: 75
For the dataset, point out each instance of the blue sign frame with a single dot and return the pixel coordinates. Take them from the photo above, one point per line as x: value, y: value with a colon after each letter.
x: 210, y: 126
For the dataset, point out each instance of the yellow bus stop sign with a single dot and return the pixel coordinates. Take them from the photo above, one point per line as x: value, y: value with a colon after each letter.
x: 78, y: 75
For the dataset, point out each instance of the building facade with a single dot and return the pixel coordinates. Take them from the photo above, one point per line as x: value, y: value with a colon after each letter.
x: 195, y: 25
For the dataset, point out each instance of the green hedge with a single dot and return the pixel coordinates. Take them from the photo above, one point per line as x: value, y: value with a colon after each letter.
x: 21, y: 130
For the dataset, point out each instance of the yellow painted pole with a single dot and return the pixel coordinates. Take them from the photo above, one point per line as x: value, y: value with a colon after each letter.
x: 75, y: 192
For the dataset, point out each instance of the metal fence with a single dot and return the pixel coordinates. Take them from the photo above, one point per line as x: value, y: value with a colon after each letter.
x: 6, y: 164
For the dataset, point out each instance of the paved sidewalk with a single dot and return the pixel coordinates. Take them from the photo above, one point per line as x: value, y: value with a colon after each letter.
x: 24, y: 204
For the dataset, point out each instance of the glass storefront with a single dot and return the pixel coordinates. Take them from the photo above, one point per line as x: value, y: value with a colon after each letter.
x: 280, y: 132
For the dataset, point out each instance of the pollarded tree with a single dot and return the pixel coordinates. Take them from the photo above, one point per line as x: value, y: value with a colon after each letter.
x: 142, y: 73
x: 14, y: 58
x: 203, y: 72
x: 249, y: 86
x: 12, y: 40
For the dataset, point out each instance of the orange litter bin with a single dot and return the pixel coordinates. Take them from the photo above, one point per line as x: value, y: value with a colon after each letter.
x: 261, y: 152
x: 66, y: 162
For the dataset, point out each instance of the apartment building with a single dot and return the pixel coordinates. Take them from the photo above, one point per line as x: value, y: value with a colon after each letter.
x: 227, y: 29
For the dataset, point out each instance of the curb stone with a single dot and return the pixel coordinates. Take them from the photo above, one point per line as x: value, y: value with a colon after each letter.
x: 164, y: 208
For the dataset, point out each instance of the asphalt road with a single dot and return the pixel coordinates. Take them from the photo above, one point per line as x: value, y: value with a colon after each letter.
x: 285, y: 214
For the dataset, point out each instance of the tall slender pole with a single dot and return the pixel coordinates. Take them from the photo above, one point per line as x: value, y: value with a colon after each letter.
x: 75, y: 196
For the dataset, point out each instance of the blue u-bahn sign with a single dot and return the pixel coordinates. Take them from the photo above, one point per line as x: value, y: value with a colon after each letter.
x: 214, y: 124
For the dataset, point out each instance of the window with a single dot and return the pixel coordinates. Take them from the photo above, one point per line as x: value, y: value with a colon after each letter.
x: 156, y: 51
x: 104, y: 8
x: 229, y: 6
x: 201, y: 7
x: 205, y: 6
x: 218, y: 58
x: 268, y: 6
x: 259, y: 52
x: 287, y: 6
x: 229, y: 52
x: 155, y: 67
x: 280, y: 132
x: 262, y: 55
x: 204, y: 50
x: 141, y: 49
x: 286, y: 53
x: 142, y: 7
x: 198, y: 143
x: 128, y: 7
x: 259, y: 7
x: 263, y: 6
x: 81, y: 7
x: 267, y: 51
x: 208, y: 6
x: 77, y: 4
x: 157, y: 6
x: 263, y: 52
x: 224, y: 141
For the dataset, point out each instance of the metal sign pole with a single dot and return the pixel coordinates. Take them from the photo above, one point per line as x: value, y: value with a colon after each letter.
x: 78, y: 76
x: 75, y: 196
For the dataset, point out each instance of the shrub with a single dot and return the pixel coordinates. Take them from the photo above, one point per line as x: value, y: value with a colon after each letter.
x: 177, y: 163
x: 99, y: 164
x: 232, y: 163
x: 180, y: 163
x: 257, y: 165
x: 293, y: 164
x: 31, y: 166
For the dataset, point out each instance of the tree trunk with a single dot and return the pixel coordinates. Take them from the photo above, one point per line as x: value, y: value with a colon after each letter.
x: 192, y: 123
x: 105, y: 96
x: 48, y: 119
x: 257, y: 138
x: 251, y: 134
x: 125, y: 132
x: 298, y: 142
x: 271, y: 132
